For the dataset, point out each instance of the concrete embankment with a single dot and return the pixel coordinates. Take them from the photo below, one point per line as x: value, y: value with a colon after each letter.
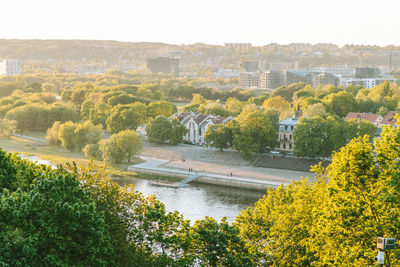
x: 287, y: 163
x: 158, y: 172
x: 235, y: 183
x: 205, y: 178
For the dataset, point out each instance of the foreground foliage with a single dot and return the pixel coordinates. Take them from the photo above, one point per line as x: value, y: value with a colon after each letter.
x: 77, y: 216
x: 336, y: 220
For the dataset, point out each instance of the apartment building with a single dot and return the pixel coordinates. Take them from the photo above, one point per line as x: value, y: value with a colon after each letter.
x: 324, y: 78
x: 249, y: 80
x: 298, y: 76
x: 272, y: 79
x: 366, y: 83
x: 367, y: 72
x: 280, y: 65
x: 238, y: 46
x: 249, y: 66
x: 10, y: 67
x: 163, y: 65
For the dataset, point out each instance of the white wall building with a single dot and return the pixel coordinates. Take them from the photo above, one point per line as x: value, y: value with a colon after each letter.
x: 10, y: 67
x: 227, y: 73
x: 366, y: 83
x: 197, y: 124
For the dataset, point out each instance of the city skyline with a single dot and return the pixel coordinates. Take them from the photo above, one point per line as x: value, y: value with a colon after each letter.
x: 178, y: 22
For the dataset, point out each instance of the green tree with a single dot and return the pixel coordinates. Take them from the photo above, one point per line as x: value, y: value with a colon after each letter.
x: 214, y: 108
x: 256, y: 131
x: 358, y: 128
x: 234, y: 105
x: 178, y: 131
x: 144, y: 234
x: 159, y: 130
x: 52, y: 134
x: 219, y: 244
x: 7, y: 128
x: 125, y: 144
x: 315, y: 110
x: 164, y: 108
x: 74, y: 135
x: 340, y: 103
x: 129, y: 143
x: 86, y: 133
x: 288, y: 92
x: 86, y: 108
x: 280, y: 104
x: 123, y: 117
x: 70, y: 231
x: 198, y: 99
x: 278, y: 228
x: 66, y: 135
x: 92, y: 151
x: 99, y: 114
x: 218, y: 136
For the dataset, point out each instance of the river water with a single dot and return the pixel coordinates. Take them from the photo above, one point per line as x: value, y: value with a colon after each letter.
x: 195, y: 201
x: 198, y: 200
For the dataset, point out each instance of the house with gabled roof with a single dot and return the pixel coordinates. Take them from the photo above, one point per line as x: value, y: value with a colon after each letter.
x: 197, y: 124
x: 390, y: 119
x: 372, y: 118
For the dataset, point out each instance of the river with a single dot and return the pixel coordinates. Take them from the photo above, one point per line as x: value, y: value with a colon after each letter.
x: 198, y: 200
x: 195, y: 201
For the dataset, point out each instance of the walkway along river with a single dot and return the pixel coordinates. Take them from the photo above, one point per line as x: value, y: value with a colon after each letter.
x: 226, y: 198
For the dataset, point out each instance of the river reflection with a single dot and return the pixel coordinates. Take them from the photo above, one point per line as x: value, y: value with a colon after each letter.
x: 198, y: 200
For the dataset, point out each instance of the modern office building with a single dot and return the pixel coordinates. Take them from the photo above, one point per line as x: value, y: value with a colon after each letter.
x: 272, y: 79
x: 163, y: 65
x: 298, y: 76
x: 10, y: 67
x: 249, y: 80
x: 367, y: 72
x: 249, y: 66
x: 342, y: 71
x: 324, y: 78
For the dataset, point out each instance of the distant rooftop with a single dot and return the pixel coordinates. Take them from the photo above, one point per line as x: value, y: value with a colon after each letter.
x: 289, y: 121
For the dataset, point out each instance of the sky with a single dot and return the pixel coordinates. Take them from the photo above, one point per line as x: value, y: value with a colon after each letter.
x: 259, y: 22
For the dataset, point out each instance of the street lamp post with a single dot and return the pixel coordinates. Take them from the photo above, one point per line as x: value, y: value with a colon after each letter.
x: 382, y: 244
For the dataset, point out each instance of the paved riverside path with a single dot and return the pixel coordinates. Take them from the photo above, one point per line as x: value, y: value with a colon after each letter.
x: 154, y: 164
x: 31, y: 138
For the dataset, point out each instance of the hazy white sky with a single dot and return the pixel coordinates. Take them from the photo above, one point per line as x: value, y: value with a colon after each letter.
x: 210, y: 21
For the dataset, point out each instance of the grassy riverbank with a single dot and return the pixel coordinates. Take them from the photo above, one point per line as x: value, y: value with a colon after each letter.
x: 58, y: 155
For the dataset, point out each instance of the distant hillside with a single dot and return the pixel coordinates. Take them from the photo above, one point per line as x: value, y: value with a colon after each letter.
x: 117, y: 54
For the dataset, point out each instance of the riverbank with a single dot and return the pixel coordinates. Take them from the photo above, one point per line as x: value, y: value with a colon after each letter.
x: 240, y: 178
x: 175, y: 163
x: 58, y: 155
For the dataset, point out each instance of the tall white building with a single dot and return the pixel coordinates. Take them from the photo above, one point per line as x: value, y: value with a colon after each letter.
x: 10, y: 67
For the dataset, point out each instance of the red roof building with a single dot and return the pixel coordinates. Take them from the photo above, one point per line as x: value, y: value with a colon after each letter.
x: 372, y: 118
x: 390, y: 119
